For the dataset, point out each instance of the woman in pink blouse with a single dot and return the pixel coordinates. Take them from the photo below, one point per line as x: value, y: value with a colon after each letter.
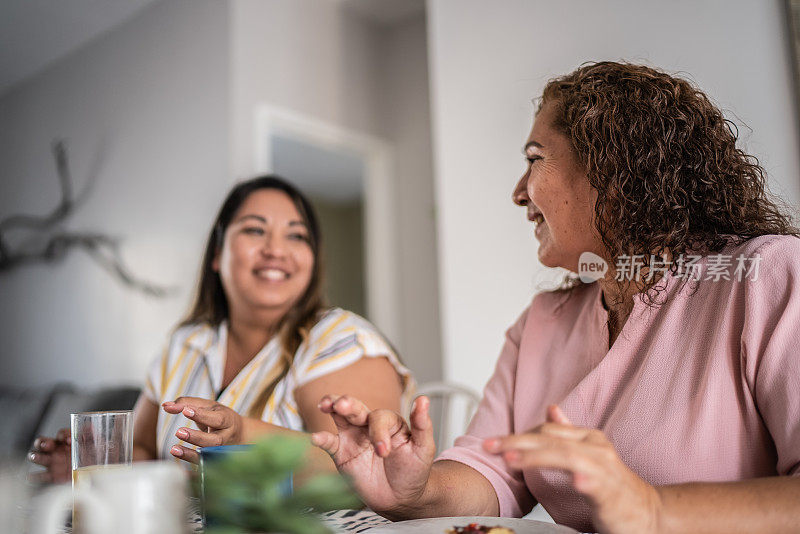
x: 665, y: 395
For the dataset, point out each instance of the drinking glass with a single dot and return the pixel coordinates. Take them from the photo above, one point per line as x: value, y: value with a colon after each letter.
x: 100, y: 441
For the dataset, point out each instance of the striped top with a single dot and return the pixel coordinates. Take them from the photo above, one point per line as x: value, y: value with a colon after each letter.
x: 193, y: 362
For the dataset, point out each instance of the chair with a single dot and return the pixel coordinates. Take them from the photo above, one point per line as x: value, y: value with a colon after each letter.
x: 452, y: 408
x: 444, y: 397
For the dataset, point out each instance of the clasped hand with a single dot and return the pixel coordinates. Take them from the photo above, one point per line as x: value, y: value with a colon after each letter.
x: 217, y: 424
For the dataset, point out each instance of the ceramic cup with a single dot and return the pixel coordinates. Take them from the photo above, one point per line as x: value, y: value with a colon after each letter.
x: 146, y: 498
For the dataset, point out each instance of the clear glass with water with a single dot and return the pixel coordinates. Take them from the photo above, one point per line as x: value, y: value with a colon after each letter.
x: 100, y: 441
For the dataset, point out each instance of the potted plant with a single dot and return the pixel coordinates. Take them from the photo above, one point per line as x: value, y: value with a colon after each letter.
x: 251, y: 491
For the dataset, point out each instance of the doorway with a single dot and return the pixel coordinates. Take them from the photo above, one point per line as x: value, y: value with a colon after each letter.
x: 347, y: 176
x: 334, y: 181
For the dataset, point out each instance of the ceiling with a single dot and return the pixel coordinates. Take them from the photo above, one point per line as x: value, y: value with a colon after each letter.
x: 35, y: 33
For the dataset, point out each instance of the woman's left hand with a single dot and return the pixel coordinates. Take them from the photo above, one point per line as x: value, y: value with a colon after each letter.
x: 621, y: 501
x: 218, y: 424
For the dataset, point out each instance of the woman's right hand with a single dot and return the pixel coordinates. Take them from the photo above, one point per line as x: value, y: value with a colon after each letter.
x: 217, y: 423
x: 388, y: 460
x: 55, y: 455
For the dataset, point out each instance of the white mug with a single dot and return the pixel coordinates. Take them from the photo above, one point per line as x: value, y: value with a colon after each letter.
x: 14, y: 498
x: 146, y: 498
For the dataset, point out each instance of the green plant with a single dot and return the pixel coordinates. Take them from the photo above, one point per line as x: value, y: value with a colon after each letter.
x: 247, y: 491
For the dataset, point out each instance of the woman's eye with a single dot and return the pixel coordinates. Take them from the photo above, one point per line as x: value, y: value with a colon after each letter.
x: 532, y: 159
x: 298, y: 237
x: 253, y: 230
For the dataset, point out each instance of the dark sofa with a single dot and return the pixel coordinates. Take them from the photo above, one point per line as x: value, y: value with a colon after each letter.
x: 31, y: 412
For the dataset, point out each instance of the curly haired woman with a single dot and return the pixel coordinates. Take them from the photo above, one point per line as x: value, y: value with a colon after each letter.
x: 663, y: 397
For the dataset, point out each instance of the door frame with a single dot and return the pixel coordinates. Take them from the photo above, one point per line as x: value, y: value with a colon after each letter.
x: 380, y: 236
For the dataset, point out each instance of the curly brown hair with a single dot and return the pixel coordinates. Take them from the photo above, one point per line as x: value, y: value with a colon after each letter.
x: 664, y: 162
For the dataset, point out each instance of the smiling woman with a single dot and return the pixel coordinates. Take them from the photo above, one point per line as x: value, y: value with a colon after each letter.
x: 259, y: 348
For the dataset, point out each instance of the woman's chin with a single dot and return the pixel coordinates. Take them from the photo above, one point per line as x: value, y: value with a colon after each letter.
x: 270, y: 304
x: 546, y: 257
x: 548, y: 264
x: 549, y: 258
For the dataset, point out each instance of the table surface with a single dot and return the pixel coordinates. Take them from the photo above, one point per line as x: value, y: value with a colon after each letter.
x: 357, y: 521
x: 338, y: 520
x: 440, y: 525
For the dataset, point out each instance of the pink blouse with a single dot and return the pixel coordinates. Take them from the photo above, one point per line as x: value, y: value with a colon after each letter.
x: 705, y: 387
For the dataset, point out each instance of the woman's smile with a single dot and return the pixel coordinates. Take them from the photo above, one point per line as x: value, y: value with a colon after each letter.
x: 271, y: 274
x: 537, y: 218
x: 539, y: 229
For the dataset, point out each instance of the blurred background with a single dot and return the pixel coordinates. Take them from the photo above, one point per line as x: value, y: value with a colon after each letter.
x: 403, y: 119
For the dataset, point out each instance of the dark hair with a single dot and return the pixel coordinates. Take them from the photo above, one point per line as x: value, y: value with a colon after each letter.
x: 210, y: 304
x: 664, y: 162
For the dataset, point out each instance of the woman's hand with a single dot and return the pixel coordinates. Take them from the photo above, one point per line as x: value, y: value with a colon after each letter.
x: 621, y: 501
x: 218, y: 424
x: 388, y: 460
x: 55, y: 454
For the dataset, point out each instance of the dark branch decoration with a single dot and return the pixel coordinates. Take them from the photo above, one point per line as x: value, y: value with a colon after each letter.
x: 50, y: 243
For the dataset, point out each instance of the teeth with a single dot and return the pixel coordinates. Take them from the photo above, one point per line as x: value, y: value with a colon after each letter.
x: 272, y: 274
x: 538, y: 219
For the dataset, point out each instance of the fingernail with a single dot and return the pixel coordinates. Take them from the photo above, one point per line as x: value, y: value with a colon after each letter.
x: 32, y: 456
x: 511, y: 456
x: 176, y: 451
x: 167, y: 402
x: 182, y: 433
x: 188, y: 412
x: 491, y: 445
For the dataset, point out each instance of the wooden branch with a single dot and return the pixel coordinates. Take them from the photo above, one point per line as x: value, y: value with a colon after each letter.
x: 53, y: 245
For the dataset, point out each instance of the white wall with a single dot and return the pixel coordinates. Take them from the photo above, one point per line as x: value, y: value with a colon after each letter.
x: 489, y: 59
x: 303, y: 55
x: 145, y: 107
x: 405, y: 120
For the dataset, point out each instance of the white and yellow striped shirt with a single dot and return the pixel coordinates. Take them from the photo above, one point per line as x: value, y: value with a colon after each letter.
x: 193, y: 362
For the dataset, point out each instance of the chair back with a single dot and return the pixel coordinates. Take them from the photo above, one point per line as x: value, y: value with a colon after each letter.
x: 452, y: 408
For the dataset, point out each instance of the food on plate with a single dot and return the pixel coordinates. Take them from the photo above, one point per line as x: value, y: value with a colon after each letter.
x: 475, y: 528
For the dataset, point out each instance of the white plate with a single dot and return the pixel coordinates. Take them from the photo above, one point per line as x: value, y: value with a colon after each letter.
x: 440, y: 525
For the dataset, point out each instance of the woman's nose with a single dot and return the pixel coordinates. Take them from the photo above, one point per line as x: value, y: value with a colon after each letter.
x: 273, y: 245
x: 520, y: 194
